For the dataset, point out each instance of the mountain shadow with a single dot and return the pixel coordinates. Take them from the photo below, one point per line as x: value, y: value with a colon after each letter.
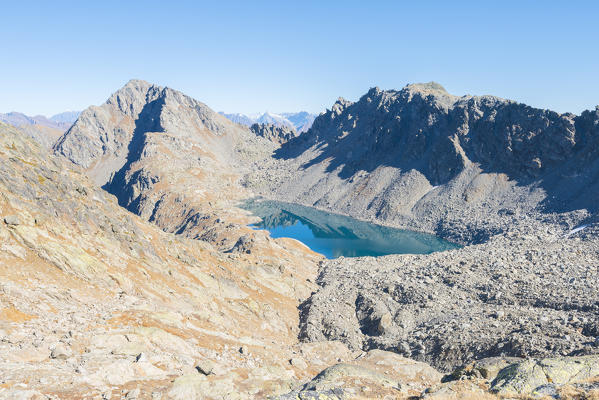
x: 118, y: 185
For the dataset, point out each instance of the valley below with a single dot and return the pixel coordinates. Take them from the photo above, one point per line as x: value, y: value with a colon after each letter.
x: 135, y: 264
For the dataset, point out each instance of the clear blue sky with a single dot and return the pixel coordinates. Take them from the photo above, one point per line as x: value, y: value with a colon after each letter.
x: 254, y: 56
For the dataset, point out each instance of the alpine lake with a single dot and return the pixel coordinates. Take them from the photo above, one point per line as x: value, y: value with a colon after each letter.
x: 335, y: 235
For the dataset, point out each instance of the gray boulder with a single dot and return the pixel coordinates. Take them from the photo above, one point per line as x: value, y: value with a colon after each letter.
x: 529, y: 376
x: 12, y: 220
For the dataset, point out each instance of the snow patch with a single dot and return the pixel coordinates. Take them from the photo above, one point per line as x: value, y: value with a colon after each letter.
x: 577, y: 229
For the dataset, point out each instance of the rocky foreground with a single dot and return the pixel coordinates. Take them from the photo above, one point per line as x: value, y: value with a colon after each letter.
x: 183, y: 300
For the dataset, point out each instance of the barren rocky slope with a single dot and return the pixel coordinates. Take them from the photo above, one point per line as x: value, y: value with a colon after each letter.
x: 518, y: 295
x: 95, y: 300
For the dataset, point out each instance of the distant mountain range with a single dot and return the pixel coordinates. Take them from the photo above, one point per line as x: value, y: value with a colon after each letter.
x: 300, y: 121
x: 43, y: 129
x: 61, y: 121
x: 67, y: 117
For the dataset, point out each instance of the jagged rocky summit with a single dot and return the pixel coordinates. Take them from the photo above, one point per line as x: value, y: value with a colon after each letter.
x: 163, y: 155
x: 424, y: 159
x: 274, y: 133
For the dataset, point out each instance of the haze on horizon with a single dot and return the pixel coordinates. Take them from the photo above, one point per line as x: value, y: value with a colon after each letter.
x: 279, y: 56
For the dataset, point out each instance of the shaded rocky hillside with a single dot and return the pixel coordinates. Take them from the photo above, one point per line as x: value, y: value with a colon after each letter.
x: 423, y: 158
x: 274, y: 133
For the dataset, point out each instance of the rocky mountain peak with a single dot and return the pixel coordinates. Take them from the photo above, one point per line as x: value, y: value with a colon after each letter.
x: 131, y: 98
x: 374, y: 91
x: 144, y: 132
x: 340, y: 105
x: 431, y: 92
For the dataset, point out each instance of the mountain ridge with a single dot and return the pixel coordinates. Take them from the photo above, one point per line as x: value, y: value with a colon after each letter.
x: 117, y: 119
x: 436, y: 152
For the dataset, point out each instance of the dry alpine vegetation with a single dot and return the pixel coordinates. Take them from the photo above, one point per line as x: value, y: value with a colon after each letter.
x: 128, y: 271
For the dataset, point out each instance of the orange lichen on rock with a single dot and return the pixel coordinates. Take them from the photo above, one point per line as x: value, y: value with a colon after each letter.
x: 11, y: 314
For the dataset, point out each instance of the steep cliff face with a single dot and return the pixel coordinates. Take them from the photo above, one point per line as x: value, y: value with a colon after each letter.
x: 422, y: 154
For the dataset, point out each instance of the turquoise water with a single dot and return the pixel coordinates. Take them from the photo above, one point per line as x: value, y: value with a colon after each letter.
x: 336, y: 235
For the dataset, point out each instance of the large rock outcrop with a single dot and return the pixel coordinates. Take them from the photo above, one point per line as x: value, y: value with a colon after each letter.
x: 274, y: 133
